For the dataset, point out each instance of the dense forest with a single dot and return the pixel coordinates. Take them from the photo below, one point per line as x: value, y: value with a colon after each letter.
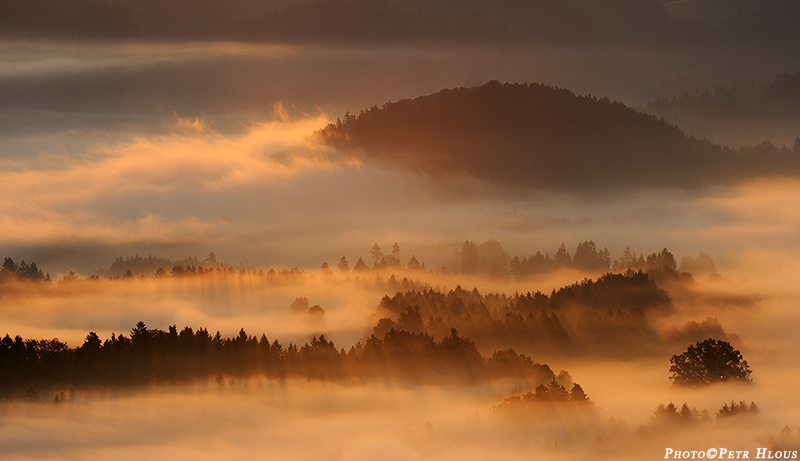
x: 415, y: 336
x: 606, y: 316
x: 538, y: 136
x: 153, y: 356
x: 609, y: 317
x: 381, y: 20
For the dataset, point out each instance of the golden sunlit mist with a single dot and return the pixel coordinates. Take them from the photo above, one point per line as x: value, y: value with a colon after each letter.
x: 357, y: 230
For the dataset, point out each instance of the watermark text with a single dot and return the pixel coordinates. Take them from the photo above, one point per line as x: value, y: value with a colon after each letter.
x: 724, y: 453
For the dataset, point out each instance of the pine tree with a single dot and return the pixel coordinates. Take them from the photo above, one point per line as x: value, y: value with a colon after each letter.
x: 343, y: 265
x: 377, y: 255
x: 470, y: 258
x: 562, y: 257
x: 578, y: 396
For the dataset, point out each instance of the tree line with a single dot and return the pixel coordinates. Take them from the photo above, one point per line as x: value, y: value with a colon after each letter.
x: 669, y: 417
x: 607, y: 316
x: 22, y: 271
x: 153, y: 356
x: 603, y: 316
x: 551, y: 410
x: 138, y: 267
x: 489, y: 258
x: 589, y: 258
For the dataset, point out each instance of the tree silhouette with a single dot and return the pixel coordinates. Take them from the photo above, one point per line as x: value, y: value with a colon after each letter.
x: 154, y: 356
x: 628, y: 260
x: 360, y: 266
x: 92, y: 342
x: 557, y: 392
x: 9, y: 269
x: 740, y: 408
x: 139, y: 333
x: 411, y: 320
x: 22, y: 271
x: 703, y: 264
x: 578, y: 396
x: 562, y: 257
x: 31, y: 396
x: 377, y: 254
x: 707, y: 362
x: 59, y: 398
x: 326, y: 269
x: 344, y: 266
x: 470, y: 258
x: 662, y: 259
x: 300, y: 305
x: 589, y: 258
x: 394, y: 258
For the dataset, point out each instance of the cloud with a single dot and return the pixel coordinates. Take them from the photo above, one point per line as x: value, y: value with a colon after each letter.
x: 760, y: 211
x: 134, y: 189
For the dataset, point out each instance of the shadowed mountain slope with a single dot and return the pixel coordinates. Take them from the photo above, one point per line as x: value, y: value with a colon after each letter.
x: 541, y: 137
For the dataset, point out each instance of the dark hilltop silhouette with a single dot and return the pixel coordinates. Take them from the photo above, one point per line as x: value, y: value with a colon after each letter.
x: 542, y: 137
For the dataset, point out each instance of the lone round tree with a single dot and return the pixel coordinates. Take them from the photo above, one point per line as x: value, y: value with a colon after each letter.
x: 707, y: 362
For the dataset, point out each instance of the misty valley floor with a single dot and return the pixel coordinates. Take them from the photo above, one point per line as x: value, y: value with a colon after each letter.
x: 302, y: 420
x: 386, y: 418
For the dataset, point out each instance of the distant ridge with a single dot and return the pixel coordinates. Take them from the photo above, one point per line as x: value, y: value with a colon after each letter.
x: 542, y: 137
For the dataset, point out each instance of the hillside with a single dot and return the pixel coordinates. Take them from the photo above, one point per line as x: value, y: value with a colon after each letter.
x: 541, y: 137
x: 745, y: 113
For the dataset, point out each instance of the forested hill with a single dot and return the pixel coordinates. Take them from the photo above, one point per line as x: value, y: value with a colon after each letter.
x: 741, y: 113
x: 538, y: 136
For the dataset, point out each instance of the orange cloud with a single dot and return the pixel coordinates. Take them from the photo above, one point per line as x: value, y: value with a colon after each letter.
x: 74, y: 199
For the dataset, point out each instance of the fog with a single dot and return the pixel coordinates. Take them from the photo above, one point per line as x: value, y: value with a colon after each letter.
x: 363, y: 419
x: 269, y: 422
x: 114, y: 149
